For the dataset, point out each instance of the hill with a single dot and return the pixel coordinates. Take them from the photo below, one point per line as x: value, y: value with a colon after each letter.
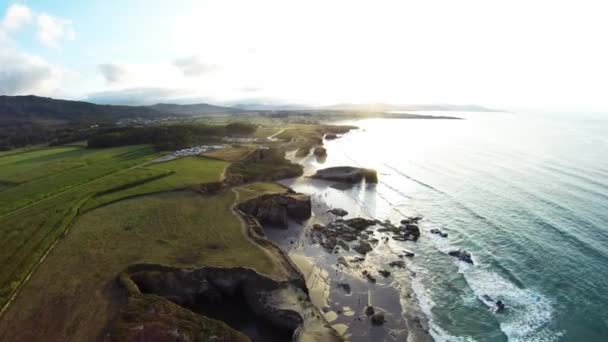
x: 193, y: 109
x: 17, y: 110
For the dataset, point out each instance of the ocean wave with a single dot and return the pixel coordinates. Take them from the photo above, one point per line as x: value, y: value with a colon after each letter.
x: 426, y: 305
x: 529, y: 313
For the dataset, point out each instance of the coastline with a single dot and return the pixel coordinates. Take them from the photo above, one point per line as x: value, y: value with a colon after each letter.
x: 326, y: 276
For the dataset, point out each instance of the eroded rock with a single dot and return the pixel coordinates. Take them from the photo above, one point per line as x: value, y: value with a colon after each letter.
x: 347, y: 174
x: 462, y: 256
x: 338, y: 212
x: 275, y: 209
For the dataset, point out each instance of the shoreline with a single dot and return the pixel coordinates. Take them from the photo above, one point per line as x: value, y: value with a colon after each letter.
x: 325, y: 277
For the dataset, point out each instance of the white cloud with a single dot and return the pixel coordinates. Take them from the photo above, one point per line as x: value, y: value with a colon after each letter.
x: 17, y: 16
x: 53, y: 30
x: 193, y: 66
x: 23, y: 74
x: 113, y: 73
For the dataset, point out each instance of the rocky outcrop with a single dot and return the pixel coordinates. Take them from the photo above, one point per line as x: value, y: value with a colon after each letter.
x: 275, y: 209
x: 439, y: 232
x: 320, y: 151
x: 330, y: 136
x: 347, y: 174
x: 303, y: 151
x: 338, y: 212
x: 462, y: 256
x: 212, y: 293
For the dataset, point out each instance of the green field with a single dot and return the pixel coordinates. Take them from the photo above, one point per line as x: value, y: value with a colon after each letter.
x: 72, y: 218
x: 47, y: 172
x: 182, y: 173
x: 253, y: 190
x: 73, y: 295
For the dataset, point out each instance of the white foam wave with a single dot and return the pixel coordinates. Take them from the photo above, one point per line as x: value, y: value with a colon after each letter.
x: 425, y: 303
x: 528, y: 313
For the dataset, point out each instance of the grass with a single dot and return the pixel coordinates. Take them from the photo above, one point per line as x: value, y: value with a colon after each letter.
x: 230, y: 154
x: 25, y: 235
x: 269, y: 166
x: 249, y: 191
x: 182, y: 173
x: 163, y: 317
x: 55, y: 170
x: 176, y: 228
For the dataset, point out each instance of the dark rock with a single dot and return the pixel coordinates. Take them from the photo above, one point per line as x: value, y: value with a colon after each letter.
x: 343, y: 244
x: 342, y: 261
x: 318, y: 226
x: 399, y: 238
x: 359, y: 223
x: 384, y: 273
x: 378, y: 318
x: 462, y: 256
x: 369, y: 310
x: 274, y: 209
x: 412, y: 230
x: 500, y: 306
x: 413, y: 219
x: 303, y: 151
x: 397, y: 263
x: 345, y: 287
x: 320, y: 151
x: 439, y: 232
x: 363, y: 247
x: 408, y: 254
x: 370, y: 277
x: 330, y: 136
x: 211, y: 288
x: 338, y: 212
x: 347, y: 174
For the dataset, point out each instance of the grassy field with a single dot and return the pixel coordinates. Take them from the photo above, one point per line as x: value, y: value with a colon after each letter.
x: 47, y: 172
x: 73, y: 296
x: 182, y: 173
x: 26, y: 234
x: 229, y: 154
x: 73, y: 218
x: 252, y: 190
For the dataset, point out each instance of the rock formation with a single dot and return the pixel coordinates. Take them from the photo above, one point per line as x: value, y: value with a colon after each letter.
x: 275, y: 209
x: 347, y: 174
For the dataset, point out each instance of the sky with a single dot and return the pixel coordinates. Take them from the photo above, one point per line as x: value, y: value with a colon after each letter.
x: 541, y: 54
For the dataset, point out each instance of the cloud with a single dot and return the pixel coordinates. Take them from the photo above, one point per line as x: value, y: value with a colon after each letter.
x: 113, y: 73
x: 193, y: 66
x: 17, y: 16
x: 26, y: 74
x: 53, y: 30
x: 140, y: 96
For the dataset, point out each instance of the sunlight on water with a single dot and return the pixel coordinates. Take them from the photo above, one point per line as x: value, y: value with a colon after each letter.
x: 527, y: 197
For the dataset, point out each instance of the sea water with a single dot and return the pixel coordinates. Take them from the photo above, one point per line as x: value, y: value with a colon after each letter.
x: 526, y: 195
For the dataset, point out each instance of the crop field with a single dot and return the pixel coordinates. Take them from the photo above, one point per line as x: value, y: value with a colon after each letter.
x: 229, y: 154
x: 181, y: 173
x: 74, y: 295
x: 36, y: 213
x: 72, y: 218
x: 48, y: 172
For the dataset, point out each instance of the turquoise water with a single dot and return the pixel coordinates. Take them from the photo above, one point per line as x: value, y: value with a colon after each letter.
x: 526, y: 195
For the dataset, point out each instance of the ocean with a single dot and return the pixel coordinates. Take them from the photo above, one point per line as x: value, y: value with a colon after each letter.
x: 526, y: 195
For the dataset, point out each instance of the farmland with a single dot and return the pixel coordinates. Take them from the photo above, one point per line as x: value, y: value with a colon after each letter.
x: 177, y: 228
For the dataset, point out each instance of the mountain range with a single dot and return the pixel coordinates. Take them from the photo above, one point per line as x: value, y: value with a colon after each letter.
x: 17, y: 110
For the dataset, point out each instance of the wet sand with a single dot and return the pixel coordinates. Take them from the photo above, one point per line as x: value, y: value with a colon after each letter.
x: 346, y: 310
